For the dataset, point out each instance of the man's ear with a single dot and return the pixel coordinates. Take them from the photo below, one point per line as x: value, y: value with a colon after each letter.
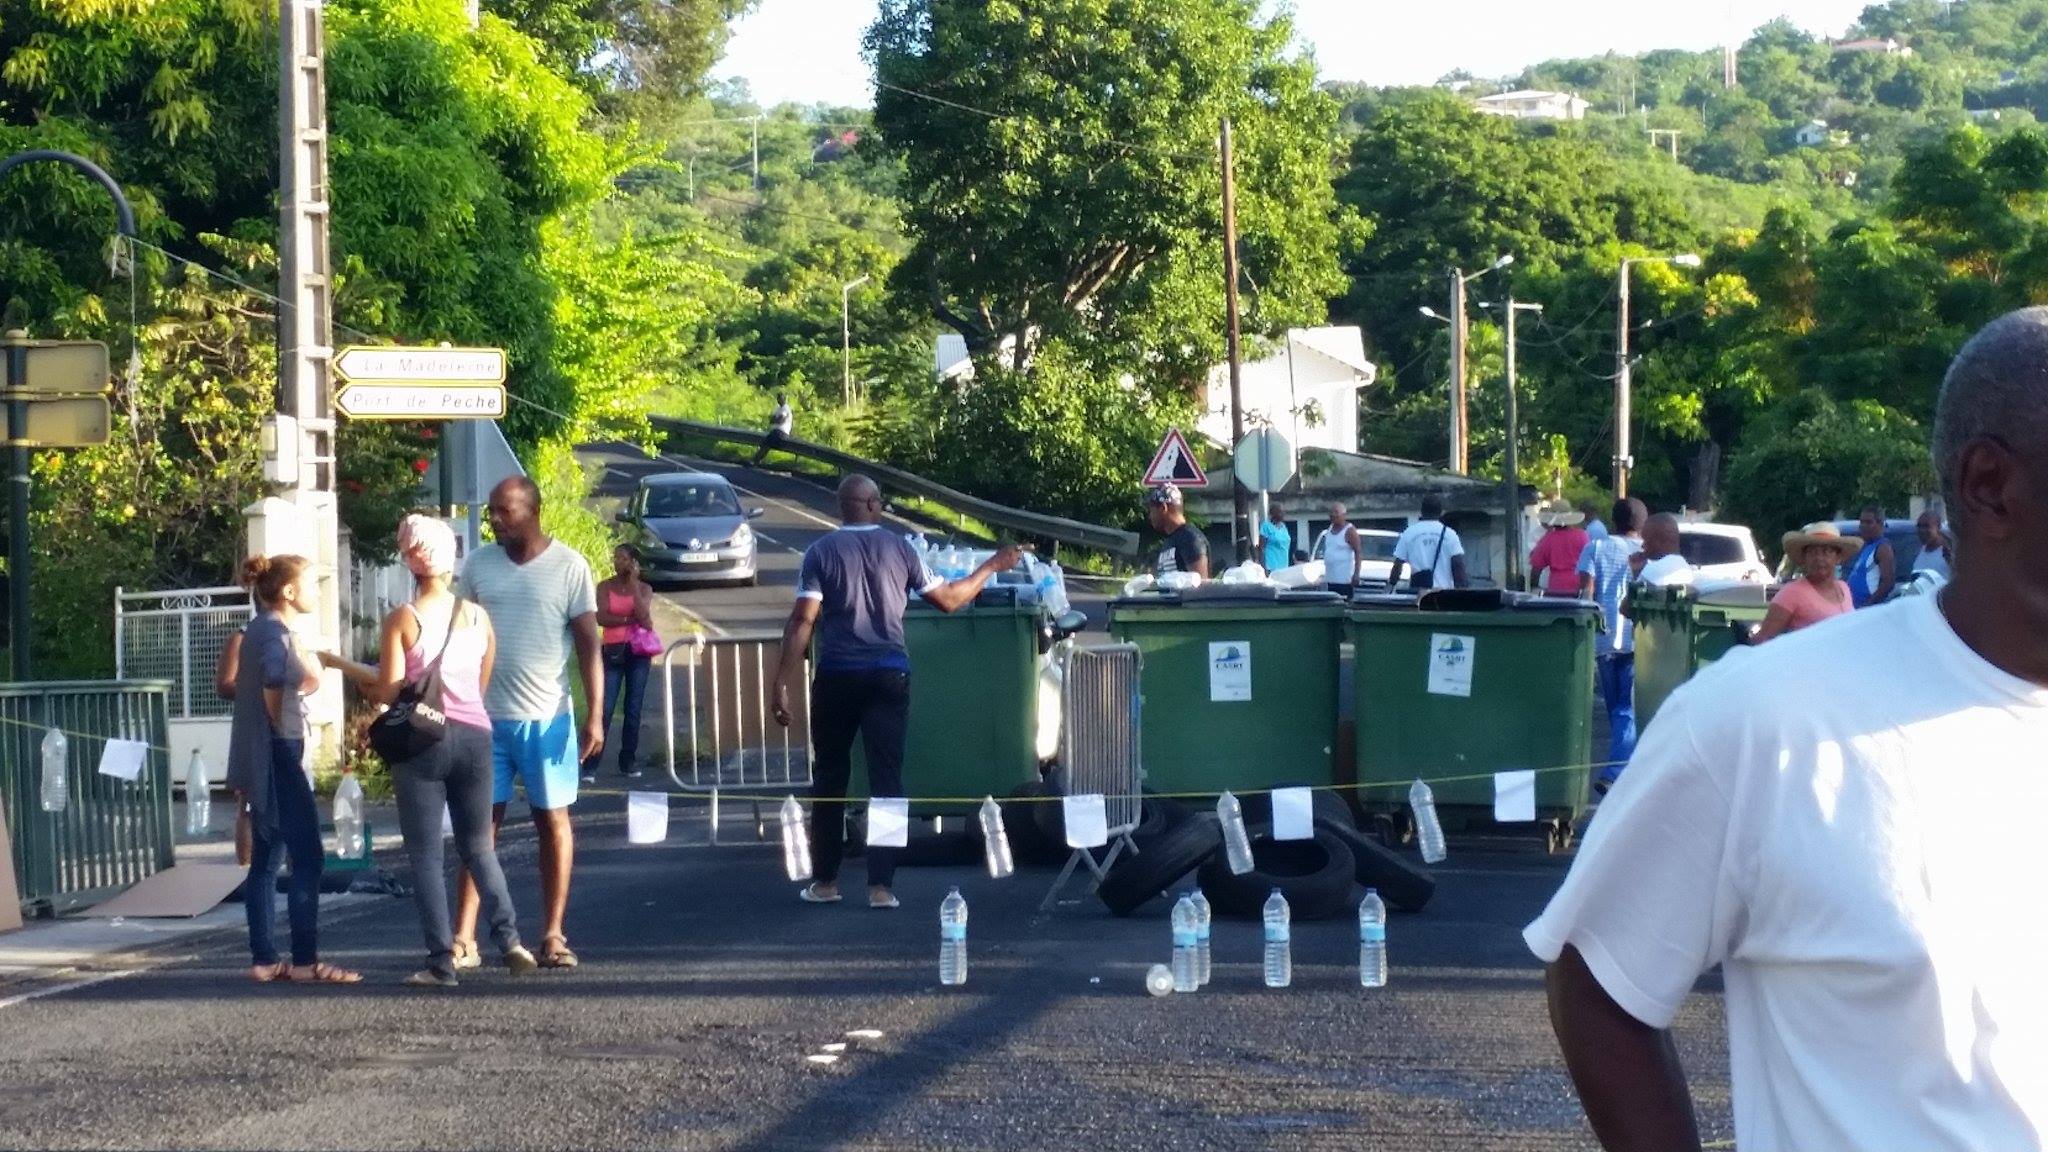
x: 1991, y: 484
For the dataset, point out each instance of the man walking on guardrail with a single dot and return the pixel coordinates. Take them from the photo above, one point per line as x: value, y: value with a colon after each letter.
x: 851, y: 592
x: 540, y: 595
x: 1841, y: 820
x: 781, y: 423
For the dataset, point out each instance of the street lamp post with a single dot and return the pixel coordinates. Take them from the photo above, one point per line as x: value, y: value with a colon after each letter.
x: 1624, y: 460
x: 846, y: 340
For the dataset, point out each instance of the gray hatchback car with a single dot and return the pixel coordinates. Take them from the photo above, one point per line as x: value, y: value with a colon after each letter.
x: 691, y: 529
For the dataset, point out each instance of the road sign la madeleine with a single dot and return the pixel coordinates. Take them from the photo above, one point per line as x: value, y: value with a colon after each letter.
x: 401, y: 364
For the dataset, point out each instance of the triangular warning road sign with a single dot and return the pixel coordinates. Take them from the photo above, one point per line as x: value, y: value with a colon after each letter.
x: 1175, y: 463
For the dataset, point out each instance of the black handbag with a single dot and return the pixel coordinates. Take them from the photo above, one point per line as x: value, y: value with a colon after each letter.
x: 415, y: 721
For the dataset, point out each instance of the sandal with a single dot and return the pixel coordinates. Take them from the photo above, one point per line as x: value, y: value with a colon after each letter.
x: 809, y: 894
x: 267, y: 973
x: 323, y: 973
x: 465, y: 955
x: 519, y: 961
x: 433, y: 978
x: 554, y: 953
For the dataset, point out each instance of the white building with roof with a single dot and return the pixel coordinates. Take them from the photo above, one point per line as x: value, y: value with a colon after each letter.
x: 1307, y: 387
x: 1534, y: 104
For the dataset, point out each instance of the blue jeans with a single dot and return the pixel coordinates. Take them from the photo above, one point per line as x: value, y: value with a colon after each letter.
x: 1617, y: 677
x: 631, y: 675
x: 297, y: 835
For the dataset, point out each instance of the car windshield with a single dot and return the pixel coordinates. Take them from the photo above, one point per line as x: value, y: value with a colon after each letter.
x: 1376, y: 547
x: 671, y: 501
x: 1700, y: 548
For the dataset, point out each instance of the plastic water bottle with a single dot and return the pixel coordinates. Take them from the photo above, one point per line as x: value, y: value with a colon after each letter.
x: 1372, y: 941
x: 1237, y: 846
x: 1279, y: 948
x: 1428, y: 831
x: 1159, y: 980
x: 995, y: 840
x: 1186, y: 976
x: 953, y: 939
x: 198, y: 797
x: 796, y: 841
x: 56, y: 771
x: 1202, y: 917
x: 348, y: 817
x: 1060, y: 603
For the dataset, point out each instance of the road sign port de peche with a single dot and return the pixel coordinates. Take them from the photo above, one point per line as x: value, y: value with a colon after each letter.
x: 393, y: 401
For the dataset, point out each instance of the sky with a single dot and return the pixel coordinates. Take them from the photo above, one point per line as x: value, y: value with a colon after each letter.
x: 808, y: 51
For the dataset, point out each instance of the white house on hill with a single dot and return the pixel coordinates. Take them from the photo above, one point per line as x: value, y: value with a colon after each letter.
x: 1531, y: 104
x: 1307, y: 388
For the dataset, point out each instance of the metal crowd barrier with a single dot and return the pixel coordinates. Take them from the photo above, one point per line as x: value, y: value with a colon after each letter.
x: 731, y: 742
x: 1099, y: 749
x: 112, y: 833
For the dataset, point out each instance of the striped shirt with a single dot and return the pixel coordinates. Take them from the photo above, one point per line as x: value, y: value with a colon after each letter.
x: 531, y: 605
x: 1606, y: 561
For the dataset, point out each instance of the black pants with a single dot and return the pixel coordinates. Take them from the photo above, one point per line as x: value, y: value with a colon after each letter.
x: 877, y: 706
x: 769, y: 443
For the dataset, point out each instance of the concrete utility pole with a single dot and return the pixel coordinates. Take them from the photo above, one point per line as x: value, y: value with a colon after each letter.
x: 1240, y: 545
x: 305, y: 519
x: 1511, y: 463
x: 1624, y: 459
x: 846, y: 340
x: 1459, y: 333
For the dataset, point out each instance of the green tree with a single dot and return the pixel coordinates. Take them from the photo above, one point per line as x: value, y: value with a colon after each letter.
x: 1061, y: 181
x: 1810, y: 457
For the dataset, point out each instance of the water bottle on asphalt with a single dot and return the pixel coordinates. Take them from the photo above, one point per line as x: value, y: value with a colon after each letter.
x: 995, y: 840
x: 56, y: 769
x: 348, y: 816
x: 1237, y: 846
x: 953, y: 939
x: 198, y: 797
x: 1279, y: 949
x: 1429, y: 833
x: 1372, y: 941
x: 1202, y: 915
x: 1186, y: 977
x: 796, y: 841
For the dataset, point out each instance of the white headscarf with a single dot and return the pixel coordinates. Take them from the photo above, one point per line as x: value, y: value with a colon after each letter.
x: 426, y: 545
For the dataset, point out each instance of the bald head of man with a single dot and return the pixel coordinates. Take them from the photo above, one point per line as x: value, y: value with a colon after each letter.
x: 860, y: 500
x: 1660, y: 536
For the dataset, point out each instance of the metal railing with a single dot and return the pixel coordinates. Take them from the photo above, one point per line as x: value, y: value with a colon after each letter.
x: 178, y: 636
x: 731, y: 742
x: 112, y: 832
x: 1075, y: 532
x: 1100, y: 754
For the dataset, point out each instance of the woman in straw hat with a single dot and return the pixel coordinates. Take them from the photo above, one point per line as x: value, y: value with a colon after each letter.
x: 1554, y: 564
x: 1817, y: 551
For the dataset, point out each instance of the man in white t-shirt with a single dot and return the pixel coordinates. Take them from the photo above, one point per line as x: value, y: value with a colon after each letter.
x: 1847, y: 822
x: 1662, y: 563
x: 1431, y: 549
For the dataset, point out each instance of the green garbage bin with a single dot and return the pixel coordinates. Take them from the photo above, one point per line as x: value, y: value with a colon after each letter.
x: 973, y: 703
x: 1679, y: 631
x: 1470, y: 693
x: 1238, y: 694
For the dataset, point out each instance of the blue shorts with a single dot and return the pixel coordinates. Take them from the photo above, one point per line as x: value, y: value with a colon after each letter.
x: 541, y: 755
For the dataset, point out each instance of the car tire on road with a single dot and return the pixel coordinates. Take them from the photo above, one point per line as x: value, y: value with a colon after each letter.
x: 1030, y: 847
x: 1161, y: 864
x: 1404, y: 886
x: 1315, y: 875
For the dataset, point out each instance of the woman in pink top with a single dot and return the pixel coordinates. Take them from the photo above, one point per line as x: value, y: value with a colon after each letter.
x: 1818, y: 551
x: 455, y: 774
x: 1554, y: 565
x: 625, y: 606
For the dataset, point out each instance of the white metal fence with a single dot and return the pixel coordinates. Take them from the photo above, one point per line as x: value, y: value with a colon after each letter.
x: 721, y: 736
x: 1100, y: 702
x: 178, y: 636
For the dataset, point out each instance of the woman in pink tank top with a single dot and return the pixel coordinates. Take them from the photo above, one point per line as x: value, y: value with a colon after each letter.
x: 625, y: 607
x: 454, y: 775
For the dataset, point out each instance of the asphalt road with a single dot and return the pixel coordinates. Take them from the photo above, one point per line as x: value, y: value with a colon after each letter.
x: 706, y: 988
x: 795, y: 512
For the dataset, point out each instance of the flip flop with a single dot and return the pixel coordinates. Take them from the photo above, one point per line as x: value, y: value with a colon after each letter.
x: 466, y: 955
x: 885, y: 902
x: 324, y: 973
x: 519, y: 961
x: 809, y: 894
x: 554, y: 953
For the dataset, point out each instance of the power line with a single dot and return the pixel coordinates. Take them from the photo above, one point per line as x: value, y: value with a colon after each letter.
x: 1188, y: 154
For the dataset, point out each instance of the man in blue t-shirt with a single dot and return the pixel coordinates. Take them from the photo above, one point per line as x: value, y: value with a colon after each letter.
x: 851, y: 591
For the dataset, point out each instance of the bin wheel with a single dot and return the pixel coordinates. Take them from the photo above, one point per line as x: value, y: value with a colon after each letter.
x: 1559, y: 835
